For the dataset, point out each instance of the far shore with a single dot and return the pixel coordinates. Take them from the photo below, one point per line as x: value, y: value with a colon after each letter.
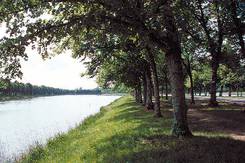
x: 24, y: 97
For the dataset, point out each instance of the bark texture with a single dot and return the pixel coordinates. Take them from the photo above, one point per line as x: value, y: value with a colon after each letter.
x: 213, y: 85
x: 138, y: 93
x: 180, y: 127
x: 144, y: 89
x: 174, y: 63
x: 152, y: 62
x: 229, y: 91
x: 149, y: 104
x: 221, y: 91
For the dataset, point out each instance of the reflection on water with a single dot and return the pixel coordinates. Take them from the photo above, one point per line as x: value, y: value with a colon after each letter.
x: 25, y: 122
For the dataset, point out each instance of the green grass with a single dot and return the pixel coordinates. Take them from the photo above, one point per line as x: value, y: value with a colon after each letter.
x: 124, y: 132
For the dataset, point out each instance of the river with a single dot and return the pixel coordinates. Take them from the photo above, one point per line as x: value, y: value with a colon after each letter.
x: 24, y: 123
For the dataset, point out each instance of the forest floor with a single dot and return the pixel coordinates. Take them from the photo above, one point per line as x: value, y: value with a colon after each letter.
x: 125, y: 132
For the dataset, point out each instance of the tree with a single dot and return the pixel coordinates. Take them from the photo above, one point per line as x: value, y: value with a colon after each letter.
x: 151, y: 58
x: 162, y: 73
x: 209, y: 14
x: 190, y: 56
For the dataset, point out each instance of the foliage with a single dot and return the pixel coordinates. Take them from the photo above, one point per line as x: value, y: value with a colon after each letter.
x: 8, y: 88
x: 227, y: 76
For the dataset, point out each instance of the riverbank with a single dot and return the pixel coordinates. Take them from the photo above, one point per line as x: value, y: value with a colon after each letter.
x: 124, y: 132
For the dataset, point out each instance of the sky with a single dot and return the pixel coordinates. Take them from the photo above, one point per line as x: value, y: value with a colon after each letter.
x: 61, y: 71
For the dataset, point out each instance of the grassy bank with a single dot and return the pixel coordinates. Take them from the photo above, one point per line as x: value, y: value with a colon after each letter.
x: 125, y: 132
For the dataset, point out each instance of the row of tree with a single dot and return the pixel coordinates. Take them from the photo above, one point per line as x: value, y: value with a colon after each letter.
x: 8, y: 88
x: 137, y: 43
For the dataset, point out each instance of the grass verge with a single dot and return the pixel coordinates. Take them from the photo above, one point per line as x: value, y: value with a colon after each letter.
x: 124, y: 132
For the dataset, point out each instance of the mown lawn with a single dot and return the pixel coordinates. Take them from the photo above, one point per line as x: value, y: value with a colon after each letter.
x: 125, y: 132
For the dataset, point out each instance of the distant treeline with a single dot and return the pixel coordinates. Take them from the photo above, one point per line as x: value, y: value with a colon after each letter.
x: 8, y: 88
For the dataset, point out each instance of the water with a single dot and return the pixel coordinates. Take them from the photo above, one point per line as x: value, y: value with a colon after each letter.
x: 23, y: 123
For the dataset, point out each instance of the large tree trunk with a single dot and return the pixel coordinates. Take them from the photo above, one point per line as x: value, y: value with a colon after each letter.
x: 149, y: 104
x: 155, y: 84
x: 213, y: 85
x: 173, y: 58
x: 174, y: 63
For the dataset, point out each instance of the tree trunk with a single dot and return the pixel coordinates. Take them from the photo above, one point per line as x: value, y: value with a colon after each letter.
x: 138, y: 93
x: 213, y: 100
x: 221, y: 91
x: 155, y: 84
x: 237, y: 91
x: 229, y: 91
x: 174, y: 63
x: 166, y: 90
x: 188, y: 69
x: 173, y: 58
x: 149, y: 104
x: 162, y: 91
x: 144, y: 89
x: 192, y: 92
x: 200, y: 91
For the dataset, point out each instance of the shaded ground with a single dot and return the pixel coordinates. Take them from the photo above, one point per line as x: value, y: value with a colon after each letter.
x: 230, y: 122
x: 125, y: 132
x: 228, y: 118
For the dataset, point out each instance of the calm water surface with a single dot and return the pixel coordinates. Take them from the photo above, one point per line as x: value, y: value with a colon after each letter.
x: 23, y: 123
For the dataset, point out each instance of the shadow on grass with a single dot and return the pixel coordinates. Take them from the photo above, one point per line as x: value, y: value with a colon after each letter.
x: 147, y: 143
x: 227, y: 121
x: 151, y: 142
x: 164, y: 148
